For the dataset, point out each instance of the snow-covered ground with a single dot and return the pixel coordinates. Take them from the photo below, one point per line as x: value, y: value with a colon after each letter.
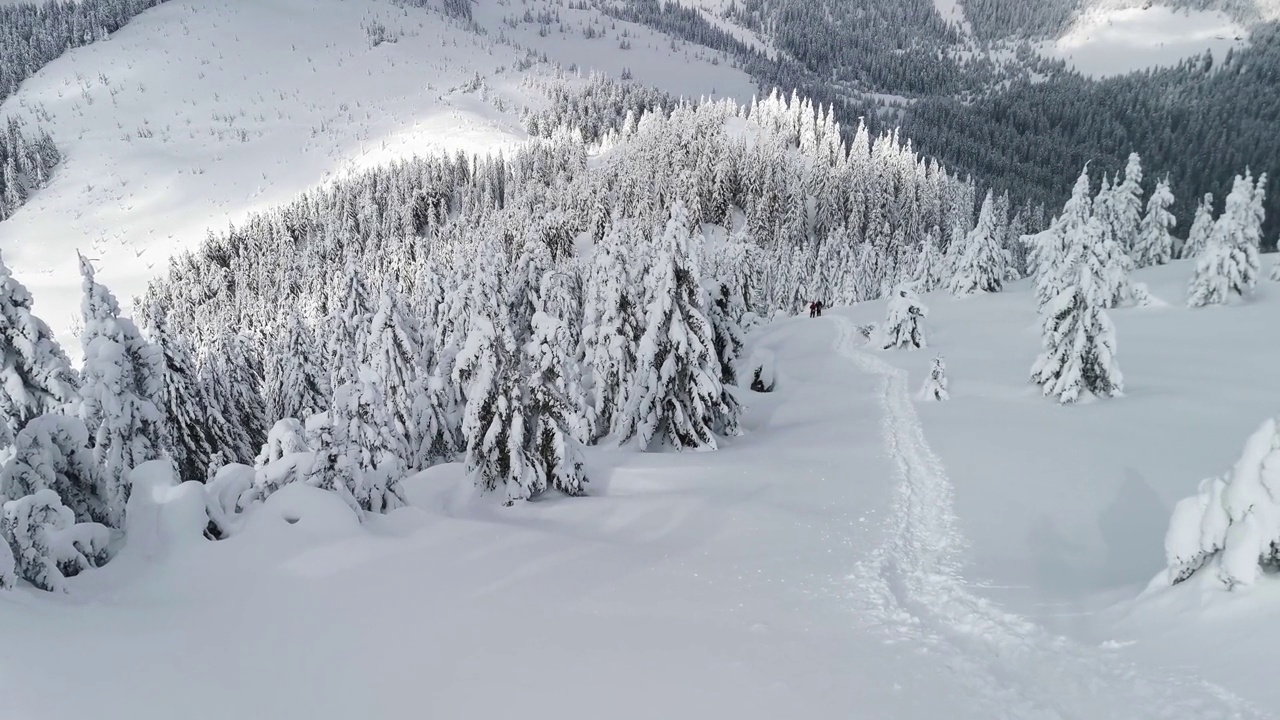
x: 952, y: 11
x: 1114, y: 41
x: 200, y: 112
x: 857, y: 554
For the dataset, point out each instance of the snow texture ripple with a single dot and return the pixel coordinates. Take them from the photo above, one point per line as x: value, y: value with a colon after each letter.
x: 912, y: 588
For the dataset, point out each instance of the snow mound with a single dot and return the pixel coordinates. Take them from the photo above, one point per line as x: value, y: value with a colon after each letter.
x: 163, y: 512
x: 300, y: 508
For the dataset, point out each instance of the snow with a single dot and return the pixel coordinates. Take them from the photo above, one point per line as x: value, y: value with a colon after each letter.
x: 1113, y: 41
x: 199, y: 112
x: 855, y: 553
x: 952, y: 11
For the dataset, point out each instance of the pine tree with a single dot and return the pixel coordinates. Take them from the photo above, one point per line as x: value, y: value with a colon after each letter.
x: 35, y: 375
x: 611, y: 333
x: 1155, y: 244
x: 552, y: 414
x: 903, y: 326
x: 1201, y: 229
x: 1126, y: 205
x: 1110, y: 209
x: 493, y: 421
x: 296, y: 381
x: 394, y: 356
x: 372, y: 462
x: 232, y: 373
x: 52, y: 453
x: 1230, y: 265
x: 936, y: 386
x: 677, y: 396
x: 980, y: 263
x: 122, y: 374
x: 188, y: 439
x: 1078, y: 341
x: 349, y: 324
x: 928, y: 275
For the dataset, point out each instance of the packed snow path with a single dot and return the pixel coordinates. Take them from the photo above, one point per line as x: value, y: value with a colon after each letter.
x: 912, y: 586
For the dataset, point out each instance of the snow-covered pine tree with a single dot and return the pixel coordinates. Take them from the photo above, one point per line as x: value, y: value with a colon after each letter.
x: 394, y: 355
x: 1230, y: 525
x: 52, y: 453
x: 188, y: 437
x: 1229, y: 265
x: 122, y: 376
x: 1078, y: 340
x: 232, y: 373
x: 928, y: 275
x: 1201, y: 229
x: 727, y: 335
x: 493, y: 423
x: 903, y: 325
x: 1155, y: 245
x: 47, y: 543
x: 936, y: 387
x: 296, y: 381
x: 1126, y: 204
x: 1110, y: 210
x: 677, y: 396
x: 35, y: 375
x: 552, y: 445
x: 611, y: 333
x: 980, y: 263
x: 371, y: 463
x: 348, y: 324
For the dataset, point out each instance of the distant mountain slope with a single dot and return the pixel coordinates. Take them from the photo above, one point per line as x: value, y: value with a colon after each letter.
x: 200, y: 111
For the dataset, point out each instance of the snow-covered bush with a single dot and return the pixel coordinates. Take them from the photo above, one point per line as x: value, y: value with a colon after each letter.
x: 1233, y: 524
x: 935, y: 385
x: 903, y: 325
x: 47, y: 543
x: 760, y: 368
x: 286, y: 437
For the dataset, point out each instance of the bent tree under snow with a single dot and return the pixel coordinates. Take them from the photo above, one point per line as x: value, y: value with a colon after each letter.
x: 1232, y: 526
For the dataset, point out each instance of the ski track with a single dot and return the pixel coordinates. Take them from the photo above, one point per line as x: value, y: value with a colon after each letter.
x: 912, y: 589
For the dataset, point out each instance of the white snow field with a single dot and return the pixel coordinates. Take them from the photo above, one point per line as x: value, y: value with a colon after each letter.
x: 1106, y: 41
x: 199, y: 112
x: 836, y: 561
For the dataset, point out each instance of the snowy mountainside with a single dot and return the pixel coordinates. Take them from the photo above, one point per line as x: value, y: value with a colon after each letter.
x: 198, y: 112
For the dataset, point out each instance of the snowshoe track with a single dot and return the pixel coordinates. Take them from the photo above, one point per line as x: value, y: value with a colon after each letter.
x: 911, y: 587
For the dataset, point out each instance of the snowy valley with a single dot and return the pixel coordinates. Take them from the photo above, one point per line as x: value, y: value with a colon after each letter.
x: 405, y: 359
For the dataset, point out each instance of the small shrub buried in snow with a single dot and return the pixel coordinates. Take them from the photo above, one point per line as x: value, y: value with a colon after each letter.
x: 902, y: 327
x: 48, y: 545
x: 1233, y: 523
x: 761, y: 369
x: 936, y: 386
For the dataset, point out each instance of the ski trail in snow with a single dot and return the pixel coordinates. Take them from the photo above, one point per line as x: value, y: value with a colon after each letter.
x: 912, y: 588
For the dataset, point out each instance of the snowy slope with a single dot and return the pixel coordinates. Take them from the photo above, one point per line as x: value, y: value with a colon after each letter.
x: 834, y: 562
x: 201, y: 111
x: 1106, y: 41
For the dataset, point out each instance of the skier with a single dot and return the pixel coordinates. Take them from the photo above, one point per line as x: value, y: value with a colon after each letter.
x: 817, y: 306
x: 813, y: 309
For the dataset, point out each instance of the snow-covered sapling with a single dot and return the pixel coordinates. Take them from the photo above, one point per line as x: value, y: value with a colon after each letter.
x: 903, y: 327
x: 935, y: 385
